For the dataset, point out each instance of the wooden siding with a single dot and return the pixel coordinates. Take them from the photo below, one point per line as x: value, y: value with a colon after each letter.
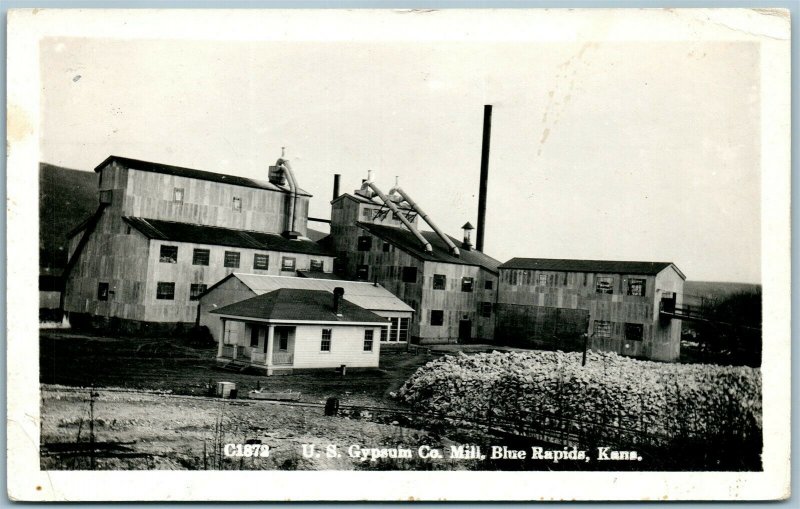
x: 347, y: 347
x: 578, y: 290
x: 229, y: 292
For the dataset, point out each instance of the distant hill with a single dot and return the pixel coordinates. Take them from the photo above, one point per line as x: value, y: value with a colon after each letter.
x: 66, y: 197
x: 695, y: 291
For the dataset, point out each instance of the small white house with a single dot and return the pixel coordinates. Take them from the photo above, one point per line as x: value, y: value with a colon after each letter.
x: 292, y: 328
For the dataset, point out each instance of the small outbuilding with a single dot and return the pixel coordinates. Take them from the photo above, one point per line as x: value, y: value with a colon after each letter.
x: 293, y: 328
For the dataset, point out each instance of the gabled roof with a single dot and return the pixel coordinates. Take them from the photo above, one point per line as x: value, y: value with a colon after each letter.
x: 403, y: 239
x: 606, y: 266
x: 218, y: 236
x: 361, y: 293
x: 295, y: 304
x: 375, y: 201
x: 180, y: 171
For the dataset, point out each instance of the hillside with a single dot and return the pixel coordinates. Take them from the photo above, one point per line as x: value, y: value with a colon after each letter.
x: 695, y: 291
x: 66, y: 197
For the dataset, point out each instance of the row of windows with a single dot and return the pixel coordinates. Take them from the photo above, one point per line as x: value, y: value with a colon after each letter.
x: 633, y: 331
x: 178, y: 195
x: 603, y: 284
x: 372, y: 214
x: 326, y: 342
x: 164, y: 291
x: 409, y: 275
x: 232, y: 259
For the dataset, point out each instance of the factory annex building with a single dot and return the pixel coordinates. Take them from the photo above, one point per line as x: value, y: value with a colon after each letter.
x: 162, y: 235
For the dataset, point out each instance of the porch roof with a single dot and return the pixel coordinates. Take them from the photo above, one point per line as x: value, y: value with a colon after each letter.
x: 296, y: 304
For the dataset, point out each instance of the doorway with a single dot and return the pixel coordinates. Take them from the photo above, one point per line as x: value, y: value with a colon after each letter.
x: 464, y: 331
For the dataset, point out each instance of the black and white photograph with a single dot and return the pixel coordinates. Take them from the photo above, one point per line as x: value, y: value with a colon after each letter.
x: 398, y: 249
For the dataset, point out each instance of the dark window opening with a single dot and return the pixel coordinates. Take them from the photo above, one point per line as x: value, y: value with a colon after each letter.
x: 486, y: 309
x: 387, y: 247
x: 362, y: 272
x: 232, y: 259
x: 254, y: 336
x: 283, y: 340
x: 288, y: 263
x: 488, y: 284
x: 409, y: 274
x: 102, y: 291
x: 196, y: 290
x: 260, y: 261
x: 437, y: 317
x: 200, y: 256
x: 439, y: 281
x: 602, y: 329
x: 316, y: 266
x: 636, y: 287
x: 165, y: 291
x: 364, y: 243
x: 385, y: 333
x: 605, y: 284
x: 466, y: 284
x: 402, y: 332
x: 169, y: 254
x: 634, y: 331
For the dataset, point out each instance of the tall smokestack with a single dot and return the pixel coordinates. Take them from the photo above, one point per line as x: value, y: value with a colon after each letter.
x: 487, y: 136
x: 336, y: 178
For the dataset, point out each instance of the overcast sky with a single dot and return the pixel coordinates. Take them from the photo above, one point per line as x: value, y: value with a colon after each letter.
x: 627, y: 151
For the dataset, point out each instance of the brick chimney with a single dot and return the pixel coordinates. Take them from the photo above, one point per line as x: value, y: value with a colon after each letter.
x: 338, y: 294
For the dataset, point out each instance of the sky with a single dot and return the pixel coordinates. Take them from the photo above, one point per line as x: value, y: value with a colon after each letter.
x: 613, y: 150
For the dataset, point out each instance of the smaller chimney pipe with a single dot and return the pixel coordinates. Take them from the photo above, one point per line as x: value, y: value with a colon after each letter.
x: 336, y: 178
x: 338, y: 294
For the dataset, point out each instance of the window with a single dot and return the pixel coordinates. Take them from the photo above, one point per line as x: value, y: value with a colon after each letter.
x: 260, y: 261
x: 254, y: 336
x: 102, y: 291
x: 409, y: 274
x: 128, y: 230
x: 395, y: 328
x: 602, y: 329
x: 486, y: 309
x: 387, y: 247
x: 177, y: 195
x: 165, y: 291
x: 384, y: 333
x: 288, y: 263
x: 237, y: 204
x: 605, y: 284
x: 437, y: 317
x: 439, y: 282
x: 283, y: 340
x: 316, y: 266
x: 488, y: 284
x: 169, y: 254
x: 366, y: 213
x: 466, y: 284
x: 325, y: 345
x: 368, y: 340
x: 105, y: 196
x: 232, y: 259
x: 542, y: 280
x: 636, y: 287
x: 196, y: 290
x: 634, y: 331
x: 362, y: 272
x: 200, y: 257
x: 402, y: 331
x: 364, y: 243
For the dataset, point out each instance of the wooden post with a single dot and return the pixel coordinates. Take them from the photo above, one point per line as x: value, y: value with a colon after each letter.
x: 221, y: 338
x: 270, y: 343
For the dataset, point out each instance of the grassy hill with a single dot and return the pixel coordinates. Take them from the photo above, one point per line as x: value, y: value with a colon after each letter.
x: 695, y: 291
x: 66, y: 197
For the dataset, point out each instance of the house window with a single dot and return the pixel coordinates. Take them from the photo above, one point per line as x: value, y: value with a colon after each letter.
x: 232, y: 259
x: 439, y: 282
x: 636, y: 287
x: 634, y: 331
x: 387, y: 247
x: 542, y: 280
x: 177, y: 195
x: 165, y: 291
x: 316, y: 265
x: 437, y: 317
x: 288, y: 263
x: 362, y: 272
x: 368, y: 338
x: 200, y: 256
x: 409, y: 274
x: 102, y: 291
x: 488, y: 284
x: 260, y: 261
x: 364, y: 243
x: 196, y: 290
x: 402, y: 331
x: 384, y: 333
x: 283, y: 340
x: 395, y: 328
x: 486, y: 309
x: 325, y: 345
x: 605, y: 284
x: 254, y: 336
x: 602, y: 329
x: 169, y: 254
x: 466, y: 284
x: 237, y: 204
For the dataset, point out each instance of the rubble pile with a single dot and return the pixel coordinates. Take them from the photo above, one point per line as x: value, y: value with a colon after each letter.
x: 697, y: 400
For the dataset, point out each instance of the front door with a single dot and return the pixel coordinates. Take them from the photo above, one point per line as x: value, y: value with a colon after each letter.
x: 464, y: 331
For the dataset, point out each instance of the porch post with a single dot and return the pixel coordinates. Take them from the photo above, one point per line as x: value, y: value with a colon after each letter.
x: 270, y: 339
x: 221, y: 338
